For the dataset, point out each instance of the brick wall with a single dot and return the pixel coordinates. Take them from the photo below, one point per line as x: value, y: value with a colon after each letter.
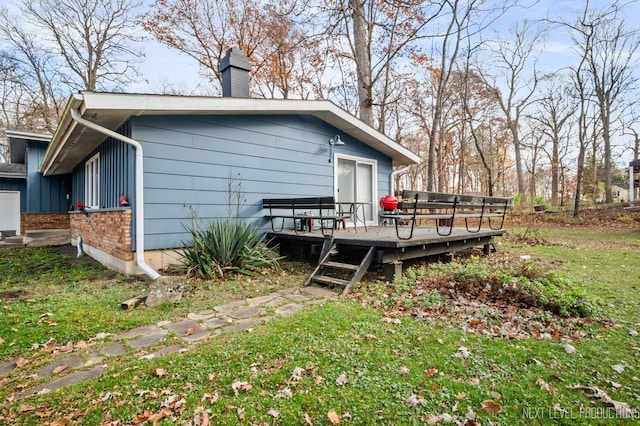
x: 37, y: 221
x: 109, y: 231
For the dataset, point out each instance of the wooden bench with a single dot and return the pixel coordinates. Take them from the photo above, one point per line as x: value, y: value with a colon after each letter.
x: 303, y: 212
x: 445, y: 208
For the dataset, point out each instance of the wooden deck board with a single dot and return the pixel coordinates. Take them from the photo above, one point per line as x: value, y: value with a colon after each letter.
x: 385, y: 236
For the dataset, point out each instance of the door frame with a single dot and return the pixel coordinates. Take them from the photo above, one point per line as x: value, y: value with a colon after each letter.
x: 374, y: 184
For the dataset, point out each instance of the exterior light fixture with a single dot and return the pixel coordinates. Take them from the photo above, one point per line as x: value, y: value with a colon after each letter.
x: 335, y: 141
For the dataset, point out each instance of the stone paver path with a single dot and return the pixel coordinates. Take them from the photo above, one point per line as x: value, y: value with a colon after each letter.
x: 197, y: 327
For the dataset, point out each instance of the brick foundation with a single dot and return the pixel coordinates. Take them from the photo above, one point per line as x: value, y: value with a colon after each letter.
x: 40, y: 221
x: 108, y: 231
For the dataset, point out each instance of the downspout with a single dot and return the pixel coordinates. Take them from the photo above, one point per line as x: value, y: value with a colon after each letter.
x: 392, y: 176
x: 139, y: 203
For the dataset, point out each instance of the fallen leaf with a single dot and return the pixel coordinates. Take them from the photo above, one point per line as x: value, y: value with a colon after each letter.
x: 430, y: 372
x: 633, y: 333
x: 433, y: 419
x: 404, y: 371
x: 307, y: 419
x: 191, y: 331
x: 284, y: 393
x: 273, y: 413
x: 543, y: 385
x: 623, y: 410
x: 471, y: 415
x: 556, y: 377
x: 341, y: 380
x: 160, y: 372
x: 491, y: 407
x: 462, y: 353
x: 392, y: 320
x: 24, y: 408
x: 460, y: 396
x: 21, y: 362
x: 618, y: 367
x: 474, y: 381
x: 239, y: 385
x: 334, y: 418
x: 296, y: 374
x: 59, y: 369
x: 569, y: 349
x: 211, y: 398
x: 414, y: 400
x: 199, y: 420
x: 1, y: 340
x: 495, y: 395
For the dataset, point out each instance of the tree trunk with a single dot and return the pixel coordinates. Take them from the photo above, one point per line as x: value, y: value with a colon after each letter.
x: 362, y: 55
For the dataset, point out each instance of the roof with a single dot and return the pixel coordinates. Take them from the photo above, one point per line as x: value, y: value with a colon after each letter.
x: 634, y: 163
x: 17, y: 139
x: 72, y: 142
x: 13, y: 171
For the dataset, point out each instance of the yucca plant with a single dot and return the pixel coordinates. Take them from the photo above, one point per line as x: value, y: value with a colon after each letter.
x: 226, y: 247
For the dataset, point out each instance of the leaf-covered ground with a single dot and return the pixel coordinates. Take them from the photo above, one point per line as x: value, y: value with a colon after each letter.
x: 434, y: 349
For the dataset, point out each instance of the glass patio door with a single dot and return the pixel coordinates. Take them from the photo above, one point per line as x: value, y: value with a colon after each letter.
x: 355, y: 182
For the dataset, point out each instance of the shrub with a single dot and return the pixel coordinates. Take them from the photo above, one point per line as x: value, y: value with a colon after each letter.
x: 224, y: 247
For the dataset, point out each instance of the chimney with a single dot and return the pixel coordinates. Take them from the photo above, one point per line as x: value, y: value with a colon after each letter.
x: 235, y: 68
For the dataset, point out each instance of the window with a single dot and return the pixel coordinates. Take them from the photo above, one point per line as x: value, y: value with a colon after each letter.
x: 92, y: 182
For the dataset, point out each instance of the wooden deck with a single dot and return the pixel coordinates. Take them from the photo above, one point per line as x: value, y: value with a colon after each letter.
x: 390, y: 250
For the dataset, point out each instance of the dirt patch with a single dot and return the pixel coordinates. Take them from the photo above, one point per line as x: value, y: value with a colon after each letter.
x: 12, y: 294
x: 72, y: 255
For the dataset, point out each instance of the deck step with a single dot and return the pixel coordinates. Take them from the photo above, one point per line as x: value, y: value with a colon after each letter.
x: 323, y: 279
x: 332, y: 272
x: 340, y: 265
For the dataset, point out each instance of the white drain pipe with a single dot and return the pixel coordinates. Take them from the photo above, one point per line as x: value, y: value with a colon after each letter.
x: 139, y: 203
x: 392, y: 178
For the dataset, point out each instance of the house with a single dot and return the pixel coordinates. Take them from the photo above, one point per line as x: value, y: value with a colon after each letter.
x: 180, y: 158
x: 28, y: 200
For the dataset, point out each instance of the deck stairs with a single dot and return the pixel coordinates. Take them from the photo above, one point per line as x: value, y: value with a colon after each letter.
x: 341, y: 270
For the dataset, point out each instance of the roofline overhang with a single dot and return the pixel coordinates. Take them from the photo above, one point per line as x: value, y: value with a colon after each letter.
x: 22, y: 134
x: 90, y: 104
x: 20, y: 176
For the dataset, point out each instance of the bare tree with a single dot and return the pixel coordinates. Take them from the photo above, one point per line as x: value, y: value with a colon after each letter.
x: 95, y: 39
x: 605, y: 71
x: 36, y: 92
x: 553, y: 119
x: 515, y: 59
x: 285, y: 58
x: 379, y: 32
x: 611, y: 63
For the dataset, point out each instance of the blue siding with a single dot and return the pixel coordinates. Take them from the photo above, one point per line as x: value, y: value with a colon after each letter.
x: 117, y: 171
x: 188, y: 161
x: 44, y: 194
x: 117, y: 168
x: 20, y: 185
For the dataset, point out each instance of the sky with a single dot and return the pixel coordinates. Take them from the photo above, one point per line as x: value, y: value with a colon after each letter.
x: 162, y: 64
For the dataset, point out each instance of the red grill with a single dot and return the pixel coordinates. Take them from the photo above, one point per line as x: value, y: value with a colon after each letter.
x: 388, y: 203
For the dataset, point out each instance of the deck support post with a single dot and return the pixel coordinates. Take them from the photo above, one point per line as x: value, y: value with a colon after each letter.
x: 486, y: 249
x: 393, y: 270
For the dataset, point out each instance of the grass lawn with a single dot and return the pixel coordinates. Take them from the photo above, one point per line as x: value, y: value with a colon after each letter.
x: 380, y: 356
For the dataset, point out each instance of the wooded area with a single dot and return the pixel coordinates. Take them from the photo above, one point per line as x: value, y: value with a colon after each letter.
x: 481, y: 107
